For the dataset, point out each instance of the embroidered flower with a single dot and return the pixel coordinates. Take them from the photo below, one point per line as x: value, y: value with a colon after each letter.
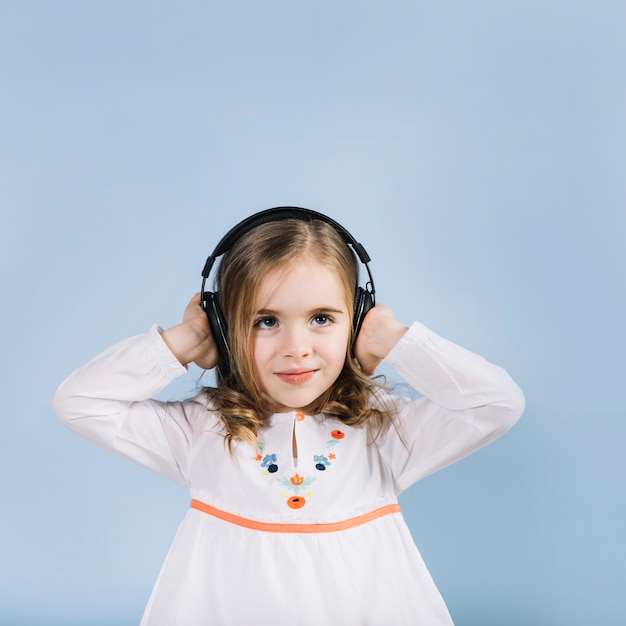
x: 321, y: 462
x: 297, y: 480
x: 296, y: 483
x: 270, y: 462
x: 337, y: 436
x: 296, y: 502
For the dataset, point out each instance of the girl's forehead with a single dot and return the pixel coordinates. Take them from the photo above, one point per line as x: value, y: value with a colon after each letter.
x: 305, y: 266
x: 303, y: 281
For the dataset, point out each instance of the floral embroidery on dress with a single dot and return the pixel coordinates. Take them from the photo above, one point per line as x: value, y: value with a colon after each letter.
x: 296, y: 492
x: 336, y: 437
x: 270, y: 463
x: 321, y: 462
x: 259, y: 446
x: 296, y: 502
x: 296, y: 484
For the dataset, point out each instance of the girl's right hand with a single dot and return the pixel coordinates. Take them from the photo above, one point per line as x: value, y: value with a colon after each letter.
x: 191, y: 340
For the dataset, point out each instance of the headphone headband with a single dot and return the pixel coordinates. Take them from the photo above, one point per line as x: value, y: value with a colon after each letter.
x: 277, y: 214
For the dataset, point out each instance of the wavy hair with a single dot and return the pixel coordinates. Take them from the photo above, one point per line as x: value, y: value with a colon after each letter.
x: 278, y: 246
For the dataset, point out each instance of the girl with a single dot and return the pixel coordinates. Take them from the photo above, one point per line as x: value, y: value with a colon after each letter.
x: 296, y: 458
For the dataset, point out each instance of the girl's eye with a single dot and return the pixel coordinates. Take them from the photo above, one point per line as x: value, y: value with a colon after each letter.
x: 322, y: 320
x: 266, y: 322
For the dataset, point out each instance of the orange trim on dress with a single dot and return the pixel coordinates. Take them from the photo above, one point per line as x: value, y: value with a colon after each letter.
x: 274, y: 527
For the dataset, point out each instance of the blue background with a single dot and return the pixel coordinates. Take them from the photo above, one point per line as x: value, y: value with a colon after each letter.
x: 477, y: 150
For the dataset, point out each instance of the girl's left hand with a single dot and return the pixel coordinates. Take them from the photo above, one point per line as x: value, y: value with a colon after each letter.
x: 379, y: 333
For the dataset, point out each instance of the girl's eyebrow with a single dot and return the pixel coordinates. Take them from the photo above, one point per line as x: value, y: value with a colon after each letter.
x: 328, y: 309
x: 319, y: 309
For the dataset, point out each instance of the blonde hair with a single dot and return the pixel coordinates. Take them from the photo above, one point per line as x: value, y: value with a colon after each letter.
x: 278, y: 246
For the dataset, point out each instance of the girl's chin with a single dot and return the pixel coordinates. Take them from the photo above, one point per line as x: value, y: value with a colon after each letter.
x: 309, y: 408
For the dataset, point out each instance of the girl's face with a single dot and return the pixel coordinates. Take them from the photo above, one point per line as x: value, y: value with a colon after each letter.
x: 300, y: 335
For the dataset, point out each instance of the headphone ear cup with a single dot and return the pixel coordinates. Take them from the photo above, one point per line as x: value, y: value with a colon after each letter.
x: 218, y: 324
x: 363, y: 302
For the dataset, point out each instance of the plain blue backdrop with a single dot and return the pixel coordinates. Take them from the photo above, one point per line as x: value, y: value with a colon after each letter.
x: 477, y: 149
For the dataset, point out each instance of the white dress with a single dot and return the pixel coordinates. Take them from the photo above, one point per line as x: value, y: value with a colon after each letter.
x: 238, y: 557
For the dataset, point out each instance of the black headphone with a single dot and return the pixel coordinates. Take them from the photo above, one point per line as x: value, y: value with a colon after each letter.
x: 364, y: 298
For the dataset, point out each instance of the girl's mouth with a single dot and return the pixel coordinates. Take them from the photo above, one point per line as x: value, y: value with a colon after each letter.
x: 296, y: 377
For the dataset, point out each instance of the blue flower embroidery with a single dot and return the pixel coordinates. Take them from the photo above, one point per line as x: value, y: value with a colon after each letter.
x: 269, y: 461
x: 321, y: 462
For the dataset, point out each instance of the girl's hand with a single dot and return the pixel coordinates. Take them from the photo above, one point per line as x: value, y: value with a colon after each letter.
x: 379, y: 333
x: 191, y: 340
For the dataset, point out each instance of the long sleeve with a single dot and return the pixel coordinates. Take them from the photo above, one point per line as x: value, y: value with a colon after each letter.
x: 466, y: 403
x: 107, y: 401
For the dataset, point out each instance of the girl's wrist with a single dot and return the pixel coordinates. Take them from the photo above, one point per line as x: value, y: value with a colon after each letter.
x: 394, y: 336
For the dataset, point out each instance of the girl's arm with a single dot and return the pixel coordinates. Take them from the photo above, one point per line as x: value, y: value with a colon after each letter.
x: 467, y: 402
x: 108, y: 400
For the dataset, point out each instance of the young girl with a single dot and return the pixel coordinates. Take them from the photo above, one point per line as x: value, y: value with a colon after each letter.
x: 296, y: 458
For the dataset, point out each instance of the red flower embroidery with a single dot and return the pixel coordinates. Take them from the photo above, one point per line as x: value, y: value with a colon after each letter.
x: 337, y: 434
x: 296, y: 502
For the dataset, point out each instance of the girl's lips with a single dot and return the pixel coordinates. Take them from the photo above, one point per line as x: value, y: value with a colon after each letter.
x: 296, y: 378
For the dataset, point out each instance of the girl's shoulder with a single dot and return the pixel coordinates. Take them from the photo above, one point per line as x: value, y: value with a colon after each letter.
x: 198, y: 412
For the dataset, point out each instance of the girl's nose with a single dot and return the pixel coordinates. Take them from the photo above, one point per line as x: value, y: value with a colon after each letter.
x: 296, y: 343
